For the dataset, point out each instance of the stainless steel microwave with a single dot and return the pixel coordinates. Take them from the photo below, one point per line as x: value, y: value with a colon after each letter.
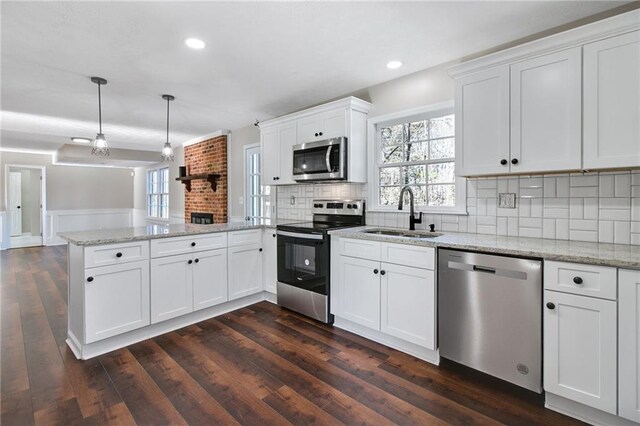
x: 321, y: 160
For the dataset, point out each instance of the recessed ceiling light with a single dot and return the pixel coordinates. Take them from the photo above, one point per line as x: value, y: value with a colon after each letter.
x: 394, y: 64
x: 81, y: 140
x: 195, y: 43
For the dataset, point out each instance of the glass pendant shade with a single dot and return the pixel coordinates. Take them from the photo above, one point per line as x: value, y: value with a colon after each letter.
x: 100, y: 147
x: 167, y: 151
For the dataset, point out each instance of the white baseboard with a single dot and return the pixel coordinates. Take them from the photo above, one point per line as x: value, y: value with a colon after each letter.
x: 3, y: 231
x: 582, y: 412
x: 83, y: 220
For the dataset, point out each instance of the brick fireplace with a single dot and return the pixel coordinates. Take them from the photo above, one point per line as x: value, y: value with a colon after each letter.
x: 208, y: 156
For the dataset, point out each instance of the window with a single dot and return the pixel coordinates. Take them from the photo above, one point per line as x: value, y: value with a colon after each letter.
x: 158, y: 193
x: 417, y: 149
x: 257, y: 196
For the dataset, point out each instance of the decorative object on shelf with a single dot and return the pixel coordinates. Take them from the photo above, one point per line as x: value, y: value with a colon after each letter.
x: 182, y: 171
x: 212, y: 178
x: 167, y: 151
x: 100, y: 146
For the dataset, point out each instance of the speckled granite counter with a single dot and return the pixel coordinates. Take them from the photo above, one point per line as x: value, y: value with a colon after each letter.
x: 148, y: 232
x: 618, y: 255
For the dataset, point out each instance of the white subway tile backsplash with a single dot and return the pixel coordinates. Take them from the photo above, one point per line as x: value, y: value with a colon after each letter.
x: 591, y: 208
x: 536, y: 207
x: 589, y: 236
x: 605, y: 231
x: 607, y: 186
x: 583, y: 191
x: 622, y: 185
x: 562, y: 229
x: 622, y: 232
x: 549, y: 228
x: 512, y: 226
x: 583, y: 179
x: 583, y: 225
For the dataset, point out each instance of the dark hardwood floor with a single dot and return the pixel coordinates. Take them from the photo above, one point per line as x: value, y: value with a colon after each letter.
x: 258, y: 365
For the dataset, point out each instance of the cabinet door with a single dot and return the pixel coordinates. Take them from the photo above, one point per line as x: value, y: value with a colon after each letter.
x: 171, y: 287
x: 546, y: 113
x: 580, y: 347
x: 270, y: 259
x: 360, y: 291
x: 333, y: 124
x: 245, y: 271
x: 116, y: 299
x: 408, y: 304
x: 309, y: 128
x: 612, y: 102
x: 287, y: 137
x: 270, y: 158
x: 209, y: 278
x: 628, y: 354
x: 482, y: 122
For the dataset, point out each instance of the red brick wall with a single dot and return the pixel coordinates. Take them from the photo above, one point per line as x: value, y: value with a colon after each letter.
x: 209, y: 156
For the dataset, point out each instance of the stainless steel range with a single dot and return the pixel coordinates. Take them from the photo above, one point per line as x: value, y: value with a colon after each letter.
x: 304, y: 253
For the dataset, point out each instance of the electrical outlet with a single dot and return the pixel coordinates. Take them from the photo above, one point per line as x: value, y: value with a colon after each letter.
x: 292, y: 200
x: 507, y: 200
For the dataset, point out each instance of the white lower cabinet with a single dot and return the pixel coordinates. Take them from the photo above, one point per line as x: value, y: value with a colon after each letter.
x: 209, y: 278
x: 408, y: 304
x: 245, y: 270
x: 629, y: 353
x: 360, y: 291
x: 270, y: 259
x: 171, y: 287
x: 116, y: 299
x: 580, y: 349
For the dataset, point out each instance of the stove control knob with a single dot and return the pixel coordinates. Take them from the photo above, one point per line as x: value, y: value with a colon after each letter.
x: 348, y: 206
x: 320, y: 205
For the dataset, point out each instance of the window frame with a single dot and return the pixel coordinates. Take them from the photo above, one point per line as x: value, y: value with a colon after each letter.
x: 264, y: 198
x: 374, y: 145
x: 157, y: 169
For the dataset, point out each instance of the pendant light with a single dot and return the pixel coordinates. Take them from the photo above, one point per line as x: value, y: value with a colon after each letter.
x: 167, y: 151
x: 100, y: 146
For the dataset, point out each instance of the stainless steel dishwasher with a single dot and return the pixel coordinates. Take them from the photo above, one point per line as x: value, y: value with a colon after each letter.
x: 489, y: 315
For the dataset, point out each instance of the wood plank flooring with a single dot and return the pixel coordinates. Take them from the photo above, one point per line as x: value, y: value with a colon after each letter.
x: 258, y: 365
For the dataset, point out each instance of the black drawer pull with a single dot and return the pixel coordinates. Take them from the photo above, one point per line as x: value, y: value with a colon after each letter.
x: 551, y: 305
x: 89, y: 279
x: 118, y: 254
x: 577, y: 280
x: 260, y: 249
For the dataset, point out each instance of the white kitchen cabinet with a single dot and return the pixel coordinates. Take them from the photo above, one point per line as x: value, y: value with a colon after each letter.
x: 277, y: 153
x: 270, y: 259
x: 546, y: 113
x: 360, y: 291
x: 612, y: 102
x: 116, y: 299
x: 171, y: 287
x: 580, y: 349
x: 482, y: 122
x: 327, y: 125
x: 408, y: 304
x: 245, y: 270
x: 209, y: 278
x: 629, y: 338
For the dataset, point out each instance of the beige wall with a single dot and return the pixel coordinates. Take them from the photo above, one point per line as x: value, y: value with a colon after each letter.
x: 70, y: 188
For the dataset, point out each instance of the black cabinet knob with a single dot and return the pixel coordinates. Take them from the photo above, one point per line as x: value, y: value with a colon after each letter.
x: 316, y: 134
x: 197, y: 260
x: 193, y: 244
x: 320, y: 133
x: 118, y: 254
x: 504, y: 161
x: 274, y: 235
x: 190, y: 262
x: 260, y: 249
x: 89, y: 279
x: 514, y: 161
x: 18, y: 206
x: 375, y: 271
x: 577, y: 280
x: 383, y: 272
x: 551, y: 305
x: 274, y: 178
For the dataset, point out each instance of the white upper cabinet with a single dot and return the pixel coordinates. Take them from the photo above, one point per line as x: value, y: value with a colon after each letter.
x: 546, y: 117
x: 482, y: 122
x: 277, y: 154
x: 331, y: 124
x: 612, y: 102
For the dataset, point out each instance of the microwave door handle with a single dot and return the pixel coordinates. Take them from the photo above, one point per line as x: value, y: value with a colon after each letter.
x: 328, y: 158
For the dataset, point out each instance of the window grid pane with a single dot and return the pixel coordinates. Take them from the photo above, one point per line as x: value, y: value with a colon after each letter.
x: 158, y: 193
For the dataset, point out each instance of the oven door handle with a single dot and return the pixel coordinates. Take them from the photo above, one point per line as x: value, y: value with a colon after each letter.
x: 300, y: 235
x: 328, y: 159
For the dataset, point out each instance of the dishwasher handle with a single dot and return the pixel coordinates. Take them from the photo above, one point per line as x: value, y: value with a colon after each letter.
x: 498, y: 271
x: 484, y: 269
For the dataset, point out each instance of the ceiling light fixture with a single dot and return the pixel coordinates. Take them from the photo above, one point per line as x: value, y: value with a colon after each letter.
x: 100, y: 146
x: 394, y: 64
x: 195, y: 43
x: 167, y: 151
x: 80, y: 140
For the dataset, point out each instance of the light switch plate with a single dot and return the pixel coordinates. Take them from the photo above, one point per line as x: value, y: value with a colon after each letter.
x: 507, y: 200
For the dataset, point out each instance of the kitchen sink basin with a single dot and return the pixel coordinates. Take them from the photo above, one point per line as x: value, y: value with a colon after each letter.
x: 405, y: 234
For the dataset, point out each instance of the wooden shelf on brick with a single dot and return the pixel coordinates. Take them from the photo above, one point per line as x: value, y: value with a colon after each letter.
x: 212, y: 178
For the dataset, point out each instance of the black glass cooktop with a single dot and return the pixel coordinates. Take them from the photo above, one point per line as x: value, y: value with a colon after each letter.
x: 314, y: 226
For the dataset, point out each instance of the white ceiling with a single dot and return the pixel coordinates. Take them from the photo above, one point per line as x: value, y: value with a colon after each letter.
x: 262, y: 59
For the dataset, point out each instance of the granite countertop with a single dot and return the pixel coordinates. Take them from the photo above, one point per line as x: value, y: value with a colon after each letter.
x: 148, y: 232
x: 617, y: 255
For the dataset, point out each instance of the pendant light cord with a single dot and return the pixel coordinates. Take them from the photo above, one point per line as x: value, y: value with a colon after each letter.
x: 168, y: 101
x: 99, y: 108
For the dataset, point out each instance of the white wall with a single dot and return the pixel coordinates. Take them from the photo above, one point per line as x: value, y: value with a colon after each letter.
x: 238, y: 139
x: 30, y: 199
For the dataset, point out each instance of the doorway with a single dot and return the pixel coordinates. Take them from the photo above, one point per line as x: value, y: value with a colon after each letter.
x: 25, y: 201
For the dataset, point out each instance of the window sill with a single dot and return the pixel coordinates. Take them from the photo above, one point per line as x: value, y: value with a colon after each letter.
x: 157, y: 220
x: 451, y: 211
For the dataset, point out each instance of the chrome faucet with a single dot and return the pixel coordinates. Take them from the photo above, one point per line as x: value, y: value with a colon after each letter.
x: 412, y: 217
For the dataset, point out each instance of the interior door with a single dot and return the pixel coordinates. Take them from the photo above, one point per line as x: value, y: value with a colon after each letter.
x: 15, y: 200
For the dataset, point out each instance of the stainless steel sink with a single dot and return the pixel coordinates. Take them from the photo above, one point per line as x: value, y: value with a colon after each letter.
x: 405, y: 234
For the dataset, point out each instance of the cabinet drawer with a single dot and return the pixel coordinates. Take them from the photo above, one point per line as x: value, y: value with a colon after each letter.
x: 180, y: 245
x: 242, y: 238
x: 113, y: 254
x: 588, y: 280
x: 408, y: 255
x: 360, y: 248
